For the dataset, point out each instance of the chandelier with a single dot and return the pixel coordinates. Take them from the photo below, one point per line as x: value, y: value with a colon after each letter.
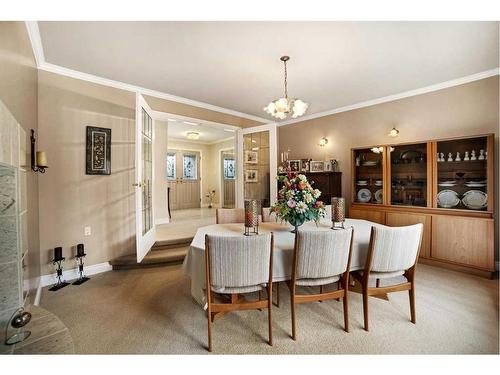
x: 280, y: 108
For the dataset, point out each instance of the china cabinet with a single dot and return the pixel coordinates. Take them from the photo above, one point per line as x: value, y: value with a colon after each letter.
x: 446, y: 184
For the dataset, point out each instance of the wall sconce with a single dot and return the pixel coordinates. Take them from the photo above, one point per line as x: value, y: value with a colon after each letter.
x: 38, y: 158
x: 323, y: 142
x: 377, y: 150
x: 393, y: 133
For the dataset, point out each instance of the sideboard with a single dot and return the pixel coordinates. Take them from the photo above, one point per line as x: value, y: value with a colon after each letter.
x: 329, y: 183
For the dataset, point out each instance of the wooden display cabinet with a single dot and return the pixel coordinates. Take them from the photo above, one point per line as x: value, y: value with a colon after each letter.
x: 453, y: 198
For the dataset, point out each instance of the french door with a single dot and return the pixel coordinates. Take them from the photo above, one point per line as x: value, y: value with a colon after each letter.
x: 257, y: 165
x: 144, y: 174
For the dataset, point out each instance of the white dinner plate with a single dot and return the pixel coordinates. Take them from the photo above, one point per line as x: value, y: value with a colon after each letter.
x: 378, y: 195
x: 475, y: 199
x: 447, y: 199
x: 364, y: 195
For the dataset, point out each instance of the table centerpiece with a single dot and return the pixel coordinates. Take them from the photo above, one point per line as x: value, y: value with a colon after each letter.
x: 298, y: 201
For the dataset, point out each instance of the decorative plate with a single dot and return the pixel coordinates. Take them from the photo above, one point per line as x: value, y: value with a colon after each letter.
x: 411, y: 155
x: 447, y: 199
x: 378, y: 195
x: 369, y: 163
x: 475, y: 184
x: 364, y: 195
x: 475, y: 199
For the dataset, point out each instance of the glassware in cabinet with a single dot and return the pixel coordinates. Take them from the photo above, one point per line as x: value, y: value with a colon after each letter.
x: 369, y: 175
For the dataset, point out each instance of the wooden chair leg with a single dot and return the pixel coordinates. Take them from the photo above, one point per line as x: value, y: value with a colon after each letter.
x: 292, y: 309
x: 321, y: 291
x: 378, y: 283
x: 346, y: 311
x: 269, y: 312
x: 365, y: 307
x: 413, y: 314
x: 209, y: 319
x: 338, y: 288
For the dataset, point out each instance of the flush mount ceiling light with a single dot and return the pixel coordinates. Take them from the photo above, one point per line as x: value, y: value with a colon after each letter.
x: 192, y: 135
x: 191, y: 123
x: 280, y: 108
x: 394, y: 132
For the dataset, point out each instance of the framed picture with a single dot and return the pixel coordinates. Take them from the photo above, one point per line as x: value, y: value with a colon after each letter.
x: 98, y: 151
x: 328, y: 166
x: 251, y: 157
x: 251, y: 175
x: 304, y: 165
x: 317, y: 166
x: 294, y: 165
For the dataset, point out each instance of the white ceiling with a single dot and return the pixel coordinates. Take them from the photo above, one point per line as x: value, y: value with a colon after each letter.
x: 178, y: 129
x: 236, y: 65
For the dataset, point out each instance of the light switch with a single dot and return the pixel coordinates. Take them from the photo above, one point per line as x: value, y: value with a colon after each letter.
x: 88, y: 231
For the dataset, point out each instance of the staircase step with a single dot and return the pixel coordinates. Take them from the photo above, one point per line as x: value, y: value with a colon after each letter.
x: 172, y: 244
x: 157, y: 258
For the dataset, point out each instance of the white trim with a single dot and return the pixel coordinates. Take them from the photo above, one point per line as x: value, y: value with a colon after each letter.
x: 200, y: 142
x: 162, y: 220
x: 402, y: 95
x: 38, y: 295
x: 36, y: 42
x: 72, y: 274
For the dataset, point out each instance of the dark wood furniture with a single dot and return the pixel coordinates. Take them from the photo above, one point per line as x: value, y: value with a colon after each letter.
x: 410, y: 178
x: 329, y: 183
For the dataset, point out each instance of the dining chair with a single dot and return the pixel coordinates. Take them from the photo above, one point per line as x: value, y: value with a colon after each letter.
x: 229, y: 215
x: 235, y: 266
x: 321, y: 258
x: 392, y: 252
x: 267, y: 215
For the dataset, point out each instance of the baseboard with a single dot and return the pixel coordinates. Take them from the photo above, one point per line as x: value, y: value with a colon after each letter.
x: 72, y: 274
x: 163, y: 220
x: 38, y: 295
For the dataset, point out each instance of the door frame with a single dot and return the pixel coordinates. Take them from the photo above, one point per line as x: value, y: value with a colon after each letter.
x: 272, y: 127
x: 221, y: 174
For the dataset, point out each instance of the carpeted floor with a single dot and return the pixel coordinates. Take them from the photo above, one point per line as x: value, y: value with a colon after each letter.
x: 151, y: 311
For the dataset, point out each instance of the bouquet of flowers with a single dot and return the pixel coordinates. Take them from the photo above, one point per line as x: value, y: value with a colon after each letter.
x: 298, y: 201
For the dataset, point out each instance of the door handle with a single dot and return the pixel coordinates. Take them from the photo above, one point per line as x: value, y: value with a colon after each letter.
x: 139, y: 184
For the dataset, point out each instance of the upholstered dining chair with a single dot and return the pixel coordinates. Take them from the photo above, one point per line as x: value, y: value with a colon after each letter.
x: 229, y: 215
x: 235, y: 266
x: 267, y: 215
x: 393, y: 252
x: 321, y: 258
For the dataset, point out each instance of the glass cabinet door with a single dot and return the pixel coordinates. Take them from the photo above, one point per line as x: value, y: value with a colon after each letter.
x: 369, y: 176
x: 462, y: 174
x: 408, y: 166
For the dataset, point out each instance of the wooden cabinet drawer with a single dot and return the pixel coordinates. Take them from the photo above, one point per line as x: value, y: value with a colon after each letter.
x: 396, y: 219
x: 368, y: 214
x: 462, y: 240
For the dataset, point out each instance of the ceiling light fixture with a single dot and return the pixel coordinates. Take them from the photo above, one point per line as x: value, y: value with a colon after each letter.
x: 280, y: 108
x: 230, y: 130
x: 171, y: 119
x: 191, y: 123
x: 192, y: 135
x: 394, y: 132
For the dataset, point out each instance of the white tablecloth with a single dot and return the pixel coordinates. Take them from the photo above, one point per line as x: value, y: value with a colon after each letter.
x: 194, y: 263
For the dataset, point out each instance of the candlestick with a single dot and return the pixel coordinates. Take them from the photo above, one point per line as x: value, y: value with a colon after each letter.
x: 41, y: 159
x: 80, y: 252
x: 58, y: 253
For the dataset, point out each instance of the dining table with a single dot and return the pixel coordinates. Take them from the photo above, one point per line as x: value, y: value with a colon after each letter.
x: 284, y: 239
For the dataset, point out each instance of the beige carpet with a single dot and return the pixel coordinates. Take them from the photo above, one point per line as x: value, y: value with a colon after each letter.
x: 151, y: 311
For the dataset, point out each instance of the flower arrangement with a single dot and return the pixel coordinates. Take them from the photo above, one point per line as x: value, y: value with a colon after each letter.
x: 298, y: 201
x: 210, y: 195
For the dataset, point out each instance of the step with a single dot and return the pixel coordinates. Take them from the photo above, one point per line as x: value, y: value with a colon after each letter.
x: 157, y: 258
x: 172, y: 244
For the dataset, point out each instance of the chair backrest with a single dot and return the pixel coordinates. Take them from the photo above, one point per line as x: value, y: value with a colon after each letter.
x: 229, y: 215
x: 394, y: 248
x: 320, y: 254
x: 240, y: 261
x: 267, y: 215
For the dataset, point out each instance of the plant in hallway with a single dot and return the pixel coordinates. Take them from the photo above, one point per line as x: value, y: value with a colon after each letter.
x: 211, y: 196
x: 298, y: 201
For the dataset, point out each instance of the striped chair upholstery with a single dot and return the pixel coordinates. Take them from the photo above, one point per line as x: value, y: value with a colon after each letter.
x: 239, y: 264
x: 322, y: 256
x: 229, y: 215
x: 267, y: 215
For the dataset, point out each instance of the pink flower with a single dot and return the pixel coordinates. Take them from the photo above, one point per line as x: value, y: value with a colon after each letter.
x: 319, y: 204
x: 291, y: 203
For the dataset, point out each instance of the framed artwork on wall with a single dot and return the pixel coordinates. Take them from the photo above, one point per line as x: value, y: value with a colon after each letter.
x: 317, y: 166
x: 294, y: 165
x: 251, y: 157
x: 251, y: 175
x: 98, y: 151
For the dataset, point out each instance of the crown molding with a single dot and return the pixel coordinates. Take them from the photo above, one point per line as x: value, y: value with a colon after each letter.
x: 37, y: 46
x: 402, y: 95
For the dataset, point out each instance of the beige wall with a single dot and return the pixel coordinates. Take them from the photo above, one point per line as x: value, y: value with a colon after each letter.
x: 468, y: 109
x: 18, y: 91
x: 70, y: 199
x: 168, y: 106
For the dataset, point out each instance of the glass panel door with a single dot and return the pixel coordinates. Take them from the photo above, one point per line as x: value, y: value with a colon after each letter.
x: 462, y: 174
x: 409, y: 174
x: 369, y: 175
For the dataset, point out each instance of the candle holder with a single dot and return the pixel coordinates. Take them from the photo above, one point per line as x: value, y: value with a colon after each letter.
x: 58, y: 259
x: 338, y: 212
x: 251, y: 217
x: 80, y: 254
x: 35, y: 166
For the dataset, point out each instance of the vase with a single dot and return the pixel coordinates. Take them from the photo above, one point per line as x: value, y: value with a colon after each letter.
x: 296, y: 222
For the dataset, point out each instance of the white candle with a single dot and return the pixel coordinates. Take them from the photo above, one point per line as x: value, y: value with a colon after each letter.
x: 41, y: 159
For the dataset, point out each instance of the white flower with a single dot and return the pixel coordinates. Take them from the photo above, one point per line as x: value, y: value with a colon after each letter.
x: 316, y: 193
x: 302, y: 177
x: 308, y: 198
x: 289, y: 194
x: 301, y: 207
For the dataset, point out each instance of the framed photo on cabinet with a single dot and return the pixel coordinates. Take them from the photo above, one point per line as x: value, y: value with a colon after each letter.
x: 317, y: 166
